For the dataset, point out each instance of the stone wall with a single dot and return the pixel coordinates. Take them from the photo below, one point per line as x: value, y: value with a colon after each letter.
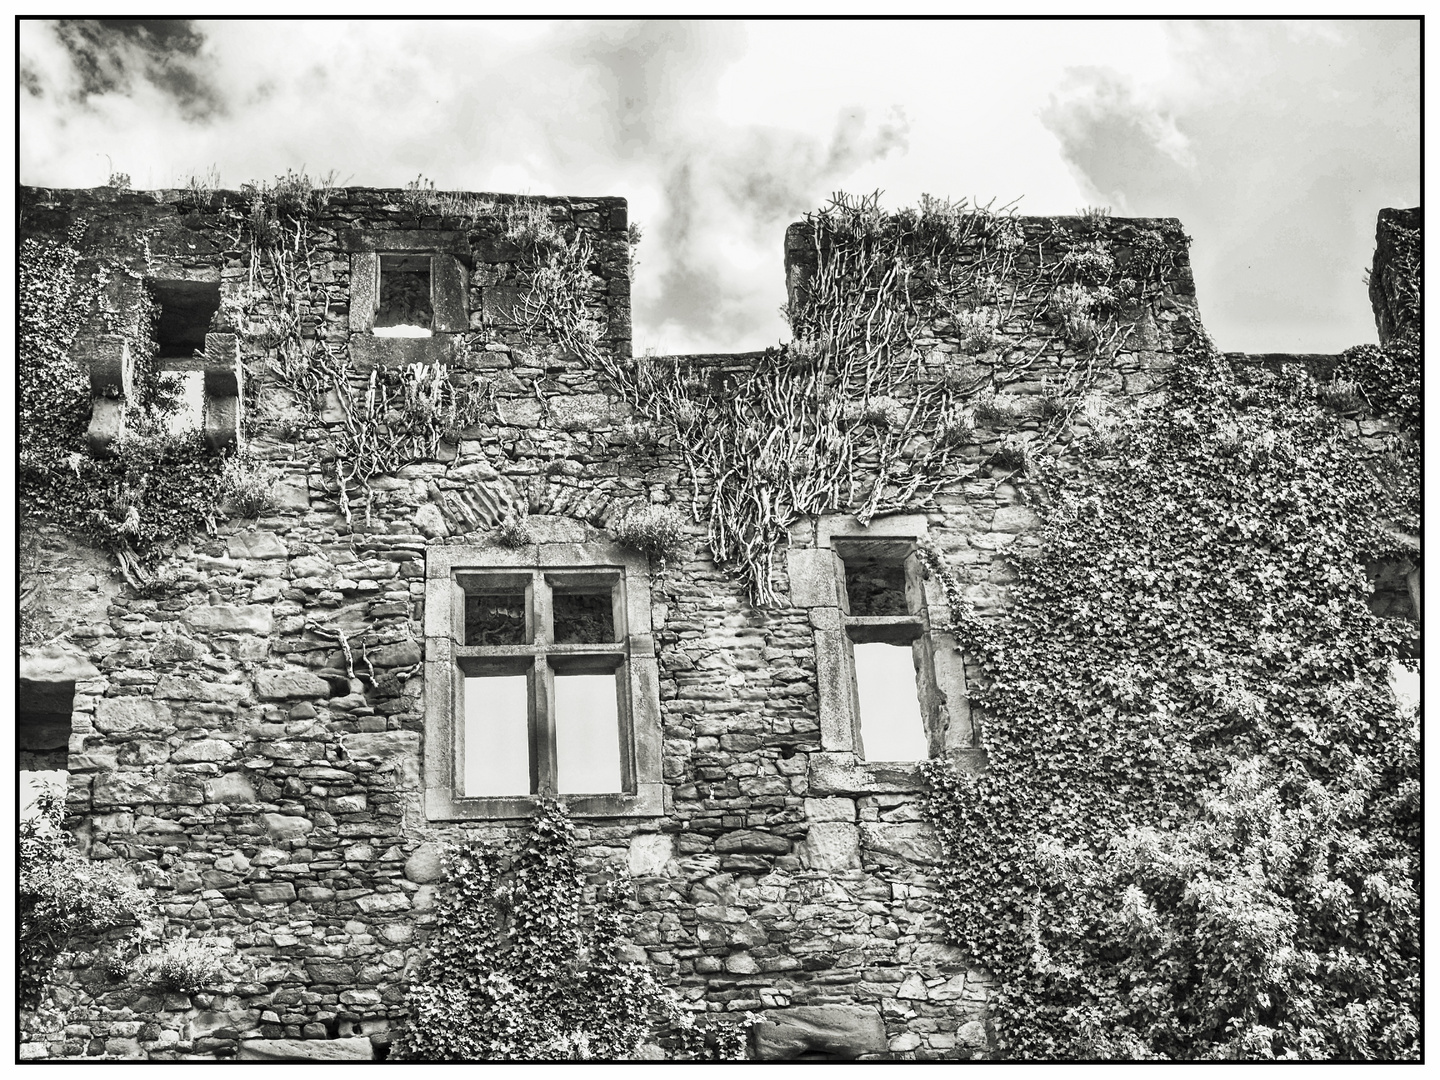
x: 267, y: 786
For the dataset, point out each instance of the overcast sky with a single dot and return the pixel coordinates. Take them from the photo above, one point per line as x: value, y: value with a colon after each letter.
x: 1274, y: 143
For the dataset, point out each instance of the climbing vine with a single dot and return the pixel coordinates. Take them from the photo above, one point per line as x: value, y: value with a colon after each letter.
x: 156, y: 489
x: 864, y: 412
x: 1198, y: 833
x: 519, y: 967
x: 369, y: 423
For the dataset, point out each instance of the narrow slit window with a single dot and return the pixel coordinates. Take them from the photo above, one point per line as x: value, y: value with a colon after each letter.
x: 405, y: 308
x: 886, y: 688
x: 587, y: 733
x: 496, y: 748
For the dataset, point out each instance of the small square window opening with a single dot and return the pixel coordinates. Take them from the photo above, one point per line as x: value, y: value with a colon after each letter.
x: 405, y: 305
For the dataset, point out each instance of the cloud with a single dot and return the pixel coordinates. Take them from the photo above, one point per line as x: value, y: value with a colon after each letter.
x: 616, y: 108
x: 1283, y: 140
x: 108, y: 56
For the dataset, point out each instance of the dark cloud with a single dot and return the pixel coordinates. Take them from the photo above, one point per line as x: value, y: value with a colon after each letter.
x: 109, y: 55
x: 1278, y: 140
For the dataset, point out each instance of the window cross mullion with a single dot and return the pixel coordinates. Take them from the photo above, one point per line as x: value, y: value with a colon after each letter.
x: 545, y: 767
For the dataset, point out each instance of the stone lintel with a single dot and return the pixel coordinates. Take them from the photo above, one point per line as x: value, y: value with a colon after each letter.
x: 368, y: 351
x: 403, y: 240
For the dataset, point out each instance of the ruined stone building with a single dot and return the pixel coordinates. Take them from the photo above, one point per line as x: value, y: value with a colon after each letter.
x: 458, y: 593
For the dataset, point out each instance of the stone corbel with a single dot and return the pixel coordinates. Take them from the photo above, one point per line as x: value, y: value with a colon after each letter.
x: 111, y: 386
x: 224, y: 391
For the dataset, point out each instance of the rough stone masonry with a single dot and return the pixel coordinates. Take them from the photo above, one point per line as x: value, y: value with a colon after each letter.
x: 260, y: 746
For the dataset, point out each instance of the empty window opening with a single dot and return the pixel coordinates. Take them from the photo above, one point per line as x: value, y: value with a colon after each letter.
x: 496, y: 747
x: 875, y: 588
x: 406, y: 309
x: 185, y: 398
x: 186, y: 311
x: 497, y: 618
x: 888, y: 701
x: 42, y: 738
x: 583, y: 615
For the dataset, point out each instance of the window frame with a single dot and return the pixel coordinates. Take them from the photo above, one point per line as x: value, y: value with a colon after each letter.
x: 448, y: 661
x: 817, y: 583
x: 449, y: 278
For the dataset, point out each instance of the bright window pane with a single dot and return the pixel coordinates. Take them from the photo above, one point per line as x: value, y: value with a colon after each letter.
x: 497, y: 736
x: 890, y: 724
x: 587, y: 734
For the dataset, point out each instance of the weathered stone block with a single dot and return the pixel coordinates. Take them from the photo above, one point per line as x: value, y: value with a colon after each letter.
x: 398, y: 750
x: 250, y: 618
x: 286, y: 826
x: 912, y: 989
x: 231, y: 788
x: 133, y: 788
x: 914, y: 842
x: 121, y: 716
x: 56, y: 662
x: 276, y: 685
x: 830, y: 809
x: 972, y: 1035
x: 204, y: 750
x: 273, y: 892
x: 358, y: 1049
x: 650, y: 854
x: 813, y: 573
x: 503, y: 305
x: 381, y: 903
x: 1015, y: 519
x: 400, y: 654
x: 750, y: 840
x: 836, y: 1031
x: 425, y: 864
x: 255, y: 545
x: 833, y: 845
x: 291, y: 495
x: 952, y: 989
x: 430, y: 521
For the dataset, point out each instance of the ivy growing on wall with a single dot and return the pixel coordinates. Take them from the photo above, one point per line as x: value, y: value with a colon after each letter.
x: 519, y: 967
x: 1199, y: 833
x: 64, y: 899
x: 156, y: 489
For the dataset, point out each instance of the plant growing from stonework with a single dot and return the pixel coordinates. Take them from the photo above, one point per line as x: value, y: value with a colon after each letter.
x: 63, y: 900
x: 155, y: 490
x: 188, y: 965
x: 248, y: 484
x: 653, y: 529
x: 1198, y: 836
x: 524, y: 962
